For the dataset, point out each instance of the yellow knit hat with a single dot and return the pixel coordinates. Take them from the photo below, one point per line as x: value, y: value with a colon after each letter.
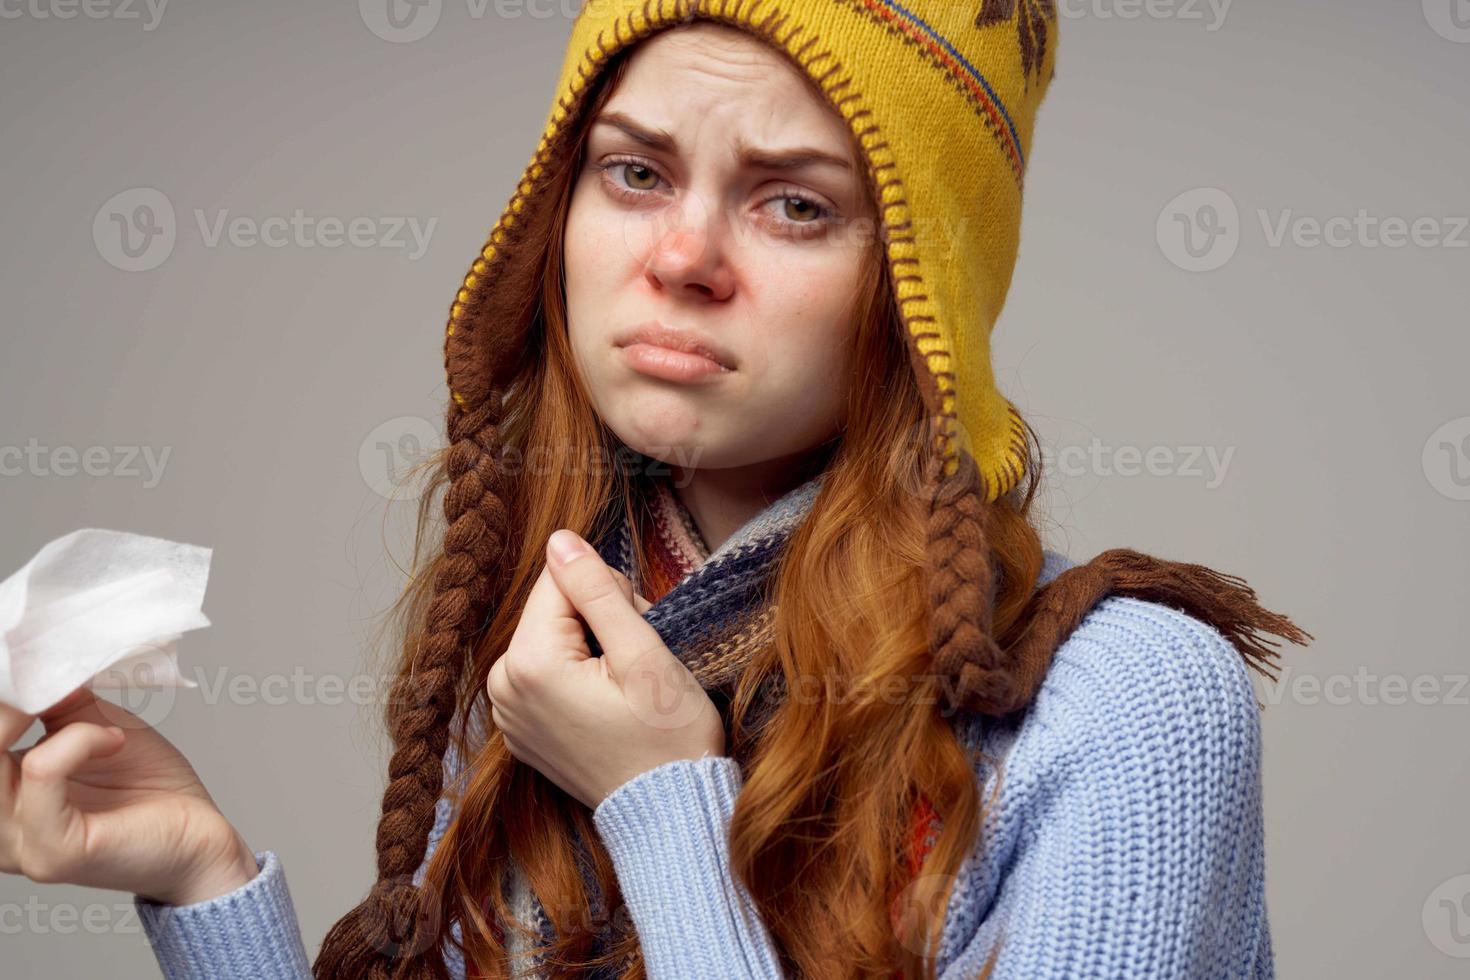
x: 942, y: 97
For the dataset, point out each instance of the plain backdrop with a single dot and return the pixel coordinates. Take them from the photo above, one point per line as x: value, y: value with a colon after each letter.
x: 1283, y: 404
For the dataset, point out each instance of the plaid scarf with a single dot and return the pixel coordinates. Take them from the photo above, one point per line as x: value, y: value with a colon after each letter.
x: 713, y: 613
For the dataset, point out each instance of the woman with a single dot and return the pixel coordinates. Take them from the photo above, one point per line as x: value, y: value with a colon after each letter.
x: 740, y: 617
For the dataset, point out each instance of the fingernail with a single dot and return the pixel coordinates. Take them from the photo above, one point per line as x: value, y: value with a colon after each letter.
x: 567, y: 546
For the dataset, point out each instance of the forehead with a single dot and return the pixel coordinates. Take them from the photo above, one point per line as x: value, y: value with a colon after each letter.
x: 711, y: 82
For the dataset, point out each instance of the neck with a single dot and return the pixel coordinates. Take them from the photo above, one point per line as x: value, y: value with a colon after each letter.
x: 721, y: 501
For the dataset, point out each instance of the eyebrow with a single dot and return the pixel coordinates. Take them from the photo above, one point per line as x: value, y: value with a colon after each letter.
x: 763, y: 159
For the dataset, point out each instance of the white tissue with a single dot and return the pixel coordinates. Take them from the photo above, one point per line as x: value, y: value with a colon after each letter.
x: 100, y: 609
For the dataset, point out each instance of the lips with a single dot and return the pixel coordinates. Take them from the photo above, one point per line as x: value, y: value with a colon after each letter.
x: 656, y: 334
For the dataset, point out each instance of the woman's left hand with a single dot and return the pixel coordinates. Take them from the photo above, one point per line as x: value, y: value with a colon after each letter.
x: 589, y: 724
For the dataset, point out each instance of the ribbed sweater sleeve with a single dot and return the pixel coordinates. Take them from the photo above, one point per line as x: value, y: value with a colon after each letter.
x: 1128, y: 839
x: 666, y: 830
x: 249, y: 932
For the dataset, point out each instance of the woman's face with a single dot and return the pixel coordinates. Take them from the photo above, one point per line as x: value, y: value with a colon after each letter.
x: 693, y: 214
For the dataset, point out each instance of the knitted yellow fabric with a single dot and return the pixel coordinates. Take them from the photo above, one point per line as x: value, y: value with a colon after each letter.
x: 942, y: 97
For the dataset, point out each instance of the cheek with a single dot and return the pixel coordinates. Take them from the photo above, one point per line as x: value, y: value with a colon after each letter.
x: 805, y: 301
x: 589, y: 250
x: 598, y: 265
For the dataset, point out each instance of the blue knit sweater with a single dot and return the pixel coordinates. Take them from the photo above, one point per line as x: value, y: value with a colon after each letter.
x: 1127, y: 841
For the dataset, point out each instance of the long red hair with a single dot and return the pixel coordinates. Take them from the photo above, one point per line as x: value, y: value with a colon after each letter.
x: 890, y: 592
x: 821, y: 829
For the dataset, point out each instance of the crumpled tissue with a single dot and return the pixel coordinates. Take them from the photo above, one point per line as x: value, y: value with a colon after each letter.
x: 100, y: 609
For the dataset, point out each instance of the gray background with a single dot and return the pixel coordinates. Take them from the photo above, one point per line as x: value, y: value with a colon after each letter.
x: 1333, y: 375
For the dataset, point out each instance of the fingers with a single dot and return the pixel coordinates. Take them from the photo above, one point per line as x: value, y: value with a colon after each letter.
x: 639, y: 603
x: 45, y: 769
x: 80, y: 705
x: 545, y: 601
x: 592, y: 588
x: 623, y: 582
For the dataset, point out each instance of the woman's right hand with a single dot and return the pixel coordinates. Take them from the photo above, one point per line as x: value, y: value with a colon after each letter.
x: 103, y: 800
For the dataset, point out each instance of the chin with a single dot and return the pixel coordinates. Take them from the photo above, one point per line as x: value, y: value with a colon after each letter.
x: 670, y: 445
x: 659, y: 441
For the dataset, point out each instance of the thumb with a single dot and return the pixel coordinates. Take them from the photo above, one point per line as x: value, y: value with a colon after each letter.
x: 593, y: 589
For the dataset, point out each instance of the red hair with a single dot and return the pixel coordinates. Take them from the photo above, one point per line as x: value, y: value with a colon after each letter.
x: 832, y: 783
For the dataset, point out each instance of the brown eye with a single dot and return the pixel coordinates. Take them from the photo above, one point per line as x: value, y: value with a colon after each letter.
x: 795, y: 207
x: 629, y: 169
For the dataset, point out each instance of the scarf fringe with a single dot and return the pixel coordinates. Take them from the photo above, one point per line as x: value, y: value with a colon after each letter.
x: 1220, y: 599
